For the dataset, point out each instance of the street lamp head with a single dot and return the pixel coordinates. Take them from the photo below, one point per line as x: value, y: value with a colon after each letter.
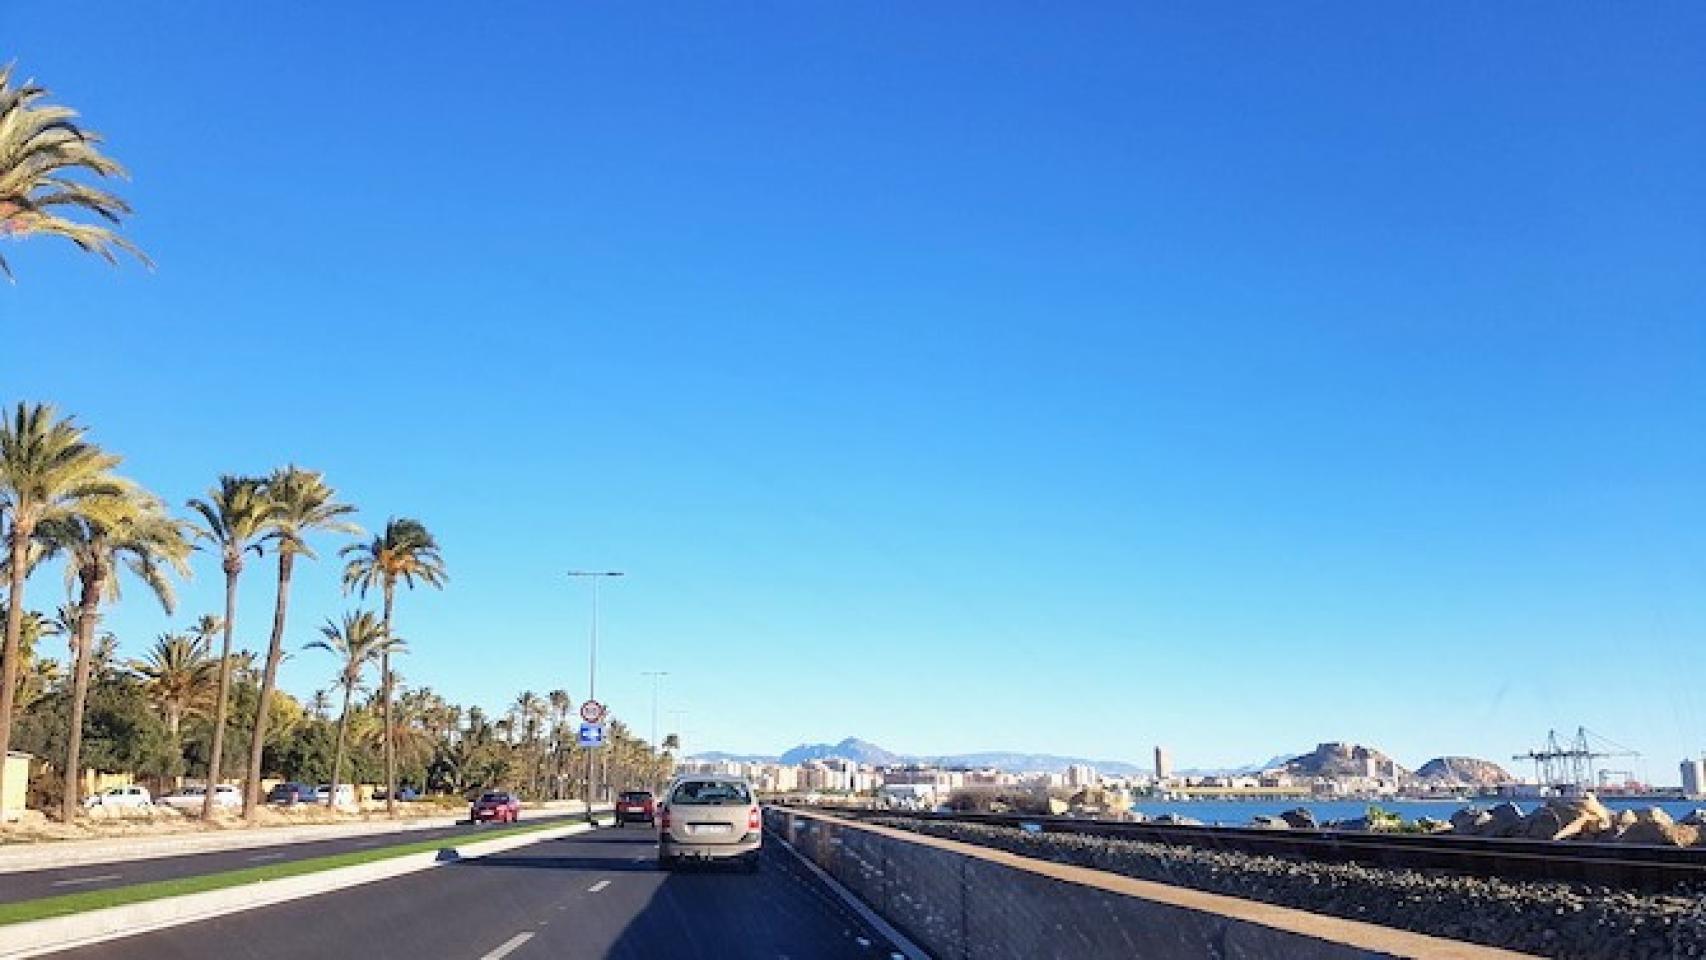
x: 596, y: 573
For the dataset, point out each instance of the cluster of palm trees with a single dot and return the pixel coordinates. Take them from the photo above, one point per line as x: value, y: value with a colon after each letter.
x: 61, y: 497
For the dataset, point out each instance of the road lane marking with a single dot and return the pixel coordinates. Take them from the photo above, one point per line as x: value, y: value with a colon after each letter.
x: 266, y: 856
x: 508, y: 946
x: 102, y: 878
x: 600, y: 885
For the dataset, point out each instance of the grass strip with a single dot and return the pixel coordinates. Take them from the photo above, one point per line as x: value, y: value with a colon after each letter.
x: 66, y: 904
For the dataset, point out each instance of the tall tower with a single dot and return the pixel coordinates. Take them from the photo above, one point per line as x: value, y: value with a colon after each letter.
x: 1163, y: 764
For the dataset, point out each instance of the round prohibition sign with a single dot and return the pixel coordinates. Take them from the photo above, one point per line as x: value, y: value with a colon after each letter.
x: 592, y: 711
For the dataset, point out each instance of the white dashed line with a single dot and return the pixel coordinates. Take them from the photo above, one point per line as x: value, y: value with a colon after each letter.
x: 508, y: 947
x: 76, y: 880
x: 600, y: 885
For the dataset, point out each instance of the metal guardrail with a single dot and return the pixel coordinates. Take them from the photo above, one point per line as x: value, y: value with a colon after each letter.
x: 1616, y: 865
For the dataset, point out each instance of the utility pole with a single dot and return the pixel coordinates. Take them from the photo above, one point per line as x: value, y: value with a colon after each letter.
x: 592, y: 676
x: 656, y: 676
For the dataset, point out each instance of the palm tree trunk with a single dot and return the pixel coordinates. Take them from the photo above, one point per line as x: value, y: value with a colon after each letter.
x: 9, y: 650
x: 338, y: 751
x: 88, y: 612
x: 385, y: 713
x: 222, y: 703
x: 269, y: 679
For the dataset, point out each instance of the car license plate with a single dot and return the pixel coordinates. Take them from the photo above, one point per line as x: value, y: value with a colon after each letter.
x: 697, y: 828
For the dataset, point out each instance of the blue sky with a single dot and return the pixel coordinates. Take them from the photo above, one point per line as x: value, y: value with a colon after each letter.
x: 960, y: 377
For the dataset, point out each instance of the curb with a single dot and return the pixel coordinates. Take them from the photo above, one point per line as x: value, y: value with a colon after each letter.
x: 33, y: 938
x: 54, y: 854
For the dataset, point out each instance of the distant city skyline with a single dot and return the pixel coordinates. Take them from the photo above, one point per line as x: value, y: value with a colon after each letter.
x: 967, y: 377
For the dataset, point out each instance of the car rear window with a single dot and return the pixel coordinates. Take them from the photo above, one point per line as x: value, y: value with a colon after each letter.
x: 711, y: 793
x: 494, y: 798
x: 636, y: 797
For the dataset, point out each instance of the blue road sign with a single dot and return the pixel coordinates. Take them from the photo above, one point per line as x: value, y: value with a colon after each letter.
x: 592, y: 734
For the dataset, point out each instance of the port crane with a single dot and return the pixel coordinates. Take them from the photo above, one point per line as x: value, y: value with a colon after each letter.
x: 1571, y: 763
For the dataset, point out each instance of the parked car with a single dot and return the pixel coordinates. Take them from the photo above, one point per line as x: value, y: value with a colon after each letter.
x: 404, y: 793
x: 346, y: 794
x: 710, y: 818
x: 498, y: 806
x: 191, y: 798
x: 635, y: 806
x: 130, y: 795
x: 289, y: 794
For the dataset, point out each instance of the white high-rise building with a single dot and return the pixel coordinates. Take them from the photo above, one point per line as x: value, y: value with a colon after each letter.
x: 1081, y: 775
x: 1694, y: 778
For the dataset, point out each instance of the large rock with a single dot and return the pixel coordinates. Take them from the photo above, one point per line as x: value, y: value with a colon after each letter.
x: 1695, y: 819
x: 1654, y: 826
x: 1470, y: 821
x: 1505, y: 820
x: 1300, y: 819
x: 1463, y: 772
x: 1265, y: 822
x: 1563, y: 818
x: 1432, y: 825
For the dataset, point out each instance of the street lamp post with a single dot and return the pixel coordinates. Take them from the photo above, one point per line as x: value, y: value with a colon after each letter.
x: 592, y: 672
x: 656, y: 676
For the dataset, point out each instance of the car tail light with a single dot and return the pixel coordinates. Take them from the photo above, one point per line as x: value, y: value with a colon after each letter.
x: 752, y: 821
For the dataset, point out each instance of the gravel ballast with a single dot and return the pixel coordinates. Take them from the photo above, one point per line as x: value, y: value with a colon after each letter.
x: 1545, y: 918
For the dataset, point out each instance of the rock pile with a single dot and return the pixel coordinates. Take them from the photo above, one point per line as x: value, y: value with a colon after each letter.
x: 1581, y: 818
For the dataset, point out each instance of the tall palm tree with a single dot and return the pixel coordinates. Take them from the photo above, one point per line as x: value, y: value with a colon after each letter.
x: 40, y: 145
x: 358, y: 641
x: 561, y: 703
x: 47, y: 470
x: 178, y: 676
x: 302, y: 505
x: 234, y: 519
x: 405, y: 552
x: 129, y: 528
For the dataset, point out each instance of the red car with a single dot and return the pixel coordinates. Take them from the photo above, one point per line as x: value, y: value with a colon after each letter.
x: 635, y: 806
x: 497, y: 806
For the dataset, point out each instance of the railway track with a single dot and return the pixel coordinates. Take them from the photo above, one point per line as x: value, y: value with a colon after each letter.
x: 1615, y: 865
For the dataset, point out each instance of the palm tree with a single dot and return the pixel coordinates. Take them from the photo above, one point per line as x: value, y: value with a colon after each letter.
x: 47, y: 470
x: 406, y: 551
x: 39, y: 145
x: 131, y: 528
x: 37, y: 674
x: 360, y: 640
x: 561, y: 703
x: 177, y: 676
x: 234, y: 519
x: 302, y: 504
x: 319, y: 704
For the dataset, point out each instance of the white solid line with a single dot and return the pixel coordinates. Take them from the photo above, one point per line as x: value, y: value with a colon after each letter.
x: 600, y: 885
x: 508, y: 947
x: 98, y: 879
x: 265, y: 856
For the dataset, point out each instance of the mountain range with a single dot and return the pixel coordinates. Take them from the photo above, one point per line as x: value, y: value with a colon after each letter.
x: 1327, y: 759
x: 863, y: 751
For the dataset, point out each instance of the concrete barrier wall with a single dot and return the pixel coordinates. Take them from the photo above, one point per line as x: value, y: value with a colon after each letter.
x: 963, y: 902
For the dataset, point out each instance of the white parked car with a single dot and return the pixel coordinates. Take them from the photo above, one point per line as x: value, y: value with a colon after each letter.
x: 129, y: 796
x: 190, y: 798
x: 346, y: 794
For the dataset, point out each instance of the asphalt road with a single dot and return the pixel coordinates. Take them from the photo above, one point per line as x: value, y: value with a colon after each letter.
x: 33, y: 884
x: 598, y: 894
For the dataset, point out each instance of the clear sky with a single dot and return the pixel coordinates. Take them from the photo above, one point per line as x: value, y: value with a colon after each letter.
x: 960, y: 376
